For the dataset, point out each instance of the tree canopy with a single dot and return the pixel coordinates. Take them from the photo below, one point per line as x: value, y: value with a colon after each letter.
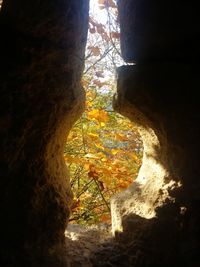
x: 103, y: 150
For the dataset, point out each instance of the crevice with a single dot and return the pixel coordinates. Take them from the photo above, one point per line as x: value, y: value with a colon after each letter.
x: 103, y: 150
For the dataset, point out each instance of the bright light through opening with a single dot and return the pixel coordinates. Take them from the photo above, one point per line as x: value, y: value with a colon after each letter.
x: 103, y: 150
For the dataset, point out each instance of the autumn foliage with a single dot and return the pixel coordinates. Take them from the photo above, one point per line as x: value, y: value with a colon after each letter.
x: 103, y: 150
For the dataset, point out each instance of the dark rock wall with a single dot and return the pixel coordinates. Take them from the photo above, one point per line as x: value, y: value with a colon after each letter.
x: 41, y: 60
x: 161, y: 37
x: 160, y: 30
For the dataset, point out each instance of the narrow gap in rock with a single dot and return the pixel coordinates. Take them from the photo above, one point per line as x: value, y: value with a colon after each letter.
x: 103, y: 150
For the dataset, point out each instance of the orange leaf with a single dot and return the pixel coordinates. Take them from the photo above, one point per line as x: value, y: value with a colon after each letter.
x: 115, y: 35
x: 101, y: 2
x: 93, y: 174
x: 105, y: 37
x: 121, y: 137
x: 100, y: 29
x: 98, y: 83
x: 103, y: 116
x: 84, y: 82
x: 95, y: 50
x: 105, y: 218
x: 86, y: 166
x: 111, y: 3
x: 99, y: 115
x: 106, y: 3
x: 93, y: 114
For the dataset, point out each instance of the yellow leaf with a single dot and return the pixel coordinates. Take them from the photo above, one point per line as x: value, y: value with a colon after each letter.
x: 93, y: 114
x: 114, y: 151
x: 99, y: 115
x: 90, y: 94
x: 133, y: 155
x: 85, y: 196
x: 103, y: 116
x: 107, y: 181
x: 93, y: 136
x: 100, y: 146
x: 87, y: 166
x: 122, y: 169
x: 106, y: 172
x: 102, y: 124
x: 89, y: 104
x: 70, y: 159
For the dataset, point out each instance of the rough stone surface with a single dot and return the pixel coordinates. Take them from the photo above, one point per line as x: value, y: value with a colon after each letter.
x: 158, y: 199
x: 157, y: 218
x: 156, y: 222
x: 42, y: 54
x: 82, y: 243
x: 159, y: 30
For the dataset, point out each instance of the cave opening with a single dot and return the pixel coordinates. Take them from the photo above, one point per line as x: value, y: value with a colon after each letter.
x: 42, y: 51
x: 42, y: 99
x: 104, y: 149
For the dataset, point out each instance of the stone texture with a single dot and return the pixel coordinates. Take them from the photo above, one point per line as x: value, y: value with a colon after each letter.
x: 82, y: 242
x: 42, y: 55
x: 155, y: 97
x: 156, y: 221
x: 159, y: 30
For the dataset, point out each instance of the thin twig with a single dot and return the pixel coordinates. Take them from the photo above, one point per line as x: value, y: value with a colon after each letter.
x: 102, y: 195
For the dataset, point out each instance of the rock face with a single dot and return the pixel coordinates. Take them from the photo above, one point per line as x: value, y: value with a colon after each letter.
x: 157, y: 218
x: 153, y: 30
x: 166, y: 193
x: 156, y: 221
x: 42, y: 47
